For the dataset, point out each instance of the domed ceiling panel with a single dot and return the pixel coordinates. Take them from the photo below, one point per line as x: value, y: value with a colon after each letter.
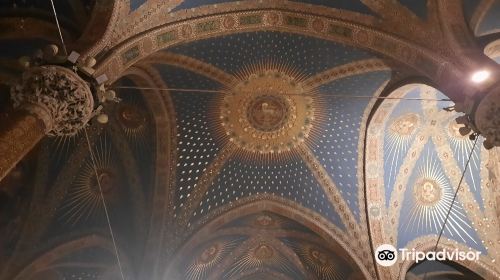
x: 275, y: 103
x: 423, y: 156
x: 197, y: 141
x: 308, y: 55
x: 399, y: 134
x: 290, y: 179
x: 351, y: 5
x: 266, y: 242
x: 426, y: 201
x: 335, y: 136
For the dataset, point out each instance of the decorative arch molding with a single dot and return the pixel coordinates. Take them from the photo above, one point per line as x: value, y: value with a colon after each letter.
x: 428, y: 243
x: 428, y: 63
x: 105, y: 13
x: 100, y: 26
x: 289, y: 209
x: 164, y: 146
x: 479, y: 14
x: 384, y: 209
x: 191, y: 64
x: 455, y: 30
x: 44, y: 261
x: 386, y: 16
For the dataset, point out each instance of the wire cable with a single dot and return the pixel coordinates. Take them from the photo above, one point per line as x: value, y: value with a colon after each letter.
x: 92, y: 156
x: 58, y: 27
x: 94, y: 165
x: 315, y: 94
x: 454, y: 198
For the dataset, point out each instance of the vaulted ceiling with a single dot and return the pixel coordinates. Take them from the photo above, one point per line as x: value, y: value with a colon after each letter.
x: 257, y: 139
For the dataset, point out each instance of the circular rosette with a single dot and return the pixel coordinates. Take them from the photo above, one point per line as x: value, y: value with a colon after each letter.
x: 267, y: 112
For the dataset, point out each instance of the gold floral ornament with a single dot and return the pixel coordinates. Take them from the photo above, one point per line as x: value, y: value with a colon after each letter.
x: 267, y: 111
x: 208, y: 257
x: 263, y: 252
x: 319, y: 262
x: 264, y: 221
x: 405, y: 125
x: 427, y: 192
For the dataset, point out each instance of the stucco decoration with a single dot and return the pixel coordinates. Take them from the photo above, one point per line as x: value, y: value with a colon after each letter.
x: 56, y: 95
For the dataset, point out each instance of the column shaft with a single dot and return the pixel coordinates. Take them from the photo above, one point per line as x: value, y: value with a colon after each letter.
x: 19, y: 133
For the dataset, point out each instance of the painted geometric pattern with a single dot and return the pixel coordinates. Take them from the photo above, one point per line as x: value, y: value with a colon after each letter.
x: 232, y: 53
x: 427, y: 198
x: 335, y: 136
x: 197, y: 143
x: 400, y: 132
x: 290, y: 179
x: 406, y: 121
x: 207, y: 257
x: 462, y: 147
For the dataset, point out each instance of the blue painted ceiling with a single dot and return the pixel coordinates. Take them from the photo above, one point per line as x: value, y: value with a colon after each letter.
x: 334, y: 139
x: 434, y: 163
x: 490, y: 23
x: 307, y: 54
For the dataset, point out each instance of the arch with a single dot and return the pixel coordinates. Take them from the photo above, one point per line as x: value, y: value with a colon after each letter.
x: 162, y: 112
x: 129, y: 52
x: 42, y: 264
x: 103, y: 21
x: 479, y: 268
x: 299, y: 214
x: 432, y: 137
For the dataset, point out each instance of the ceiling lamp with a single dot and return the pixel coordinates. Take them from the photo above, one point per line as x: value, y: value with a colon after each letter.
x: 62, y: 90
x: 480, y: 76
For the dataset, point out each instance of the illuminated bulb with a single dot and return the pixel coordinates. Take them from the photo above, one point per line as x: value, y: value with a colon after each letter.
x: 102, y: 118
x: 480, y: 76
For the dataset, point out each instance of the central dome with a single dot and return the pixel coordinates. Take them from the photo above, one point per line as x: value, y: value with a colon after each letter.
x: 267, y: 111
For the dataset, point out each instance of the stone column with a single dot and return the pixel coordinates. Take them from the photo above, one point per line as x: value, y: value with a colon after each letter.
x: 50, y: 100
x: 18, y: 135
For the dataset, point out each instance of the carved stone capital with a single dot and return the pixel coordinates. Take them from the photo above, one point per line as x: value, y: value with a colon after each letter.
x: 57, y: 96
x: 487, y: 117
